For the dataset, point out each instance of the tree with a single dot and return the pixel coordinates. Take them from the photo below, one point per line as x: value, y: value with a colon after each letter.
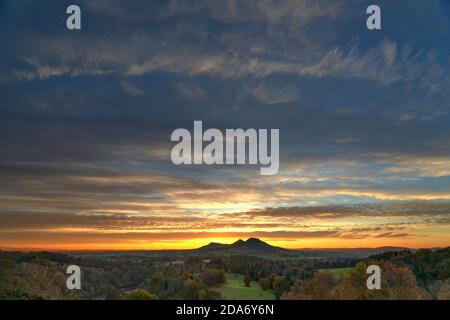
x: 141, y: 294
x: 301, y: 290
x: 247, y: 280
x: 280, y: 285
x: 443, y: 290
x: 322, y: 286
x: 400, y: 282
x: 212, y: 277
x: 265, y: 283
x: 353, y: 286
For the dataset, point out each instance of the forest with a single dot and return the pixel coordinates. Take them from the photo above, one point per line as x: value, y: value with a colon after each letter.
x: 409, y: 275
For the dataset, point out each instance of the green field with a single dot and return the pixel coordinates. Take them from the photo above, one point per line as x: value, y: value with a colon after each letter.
x: 336, y: 272
x: 234, y: 289
x: 275, y: 257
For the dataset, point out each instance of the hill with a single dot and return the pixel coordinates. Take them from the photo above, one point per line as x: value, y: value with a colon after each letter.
x: 251, y: 246
x: 259, y: 248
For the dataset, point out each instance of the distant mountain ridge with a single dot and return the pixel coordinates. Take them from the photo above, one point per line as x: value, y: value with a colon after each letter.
x: 257, y: 247
x: 251, y: 245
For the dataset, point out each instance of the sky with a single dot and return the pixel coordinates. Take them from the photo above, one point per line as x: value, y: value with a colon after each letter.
x: 86, y: 119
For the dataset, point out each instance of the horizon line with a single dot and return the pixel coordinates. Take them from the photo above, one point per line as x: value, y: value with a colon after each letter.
x: 61, y: 250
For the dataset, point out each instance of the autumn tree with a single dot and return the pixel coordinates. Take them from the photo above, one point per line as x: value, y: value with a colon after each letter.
x: 352, y: 286
x: 265, y: 283
x: 141, y: 294
x: 400, y: 282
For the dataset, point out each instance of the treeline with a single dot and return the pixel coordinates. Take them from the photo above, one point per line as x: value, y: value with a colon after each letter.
x: 276, y: 275
x: 33, y: 276
x: 41, y: 275
x: 428, y: 266
x: 405, y: 275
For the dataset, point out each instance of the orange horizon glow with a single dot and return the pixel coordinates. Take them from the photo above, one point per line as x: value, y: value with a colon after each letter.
x: 325, y: 243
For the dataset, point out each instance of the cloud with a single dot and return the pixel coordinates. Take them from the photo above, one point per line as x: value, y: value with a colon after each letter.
x: 421, y: 167
x: 287, y: 46
x: 56, y: 221
x: 413, y: 209
x: 83, y: 238
x: 271, y: 11
x: 275, y: 93
x: 192, y: 91
x: 130, y: 88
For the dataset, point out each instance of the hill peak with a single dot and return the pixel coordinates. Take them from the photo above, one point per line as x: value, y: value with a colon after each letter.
x: 255, y: 240
x: 251, y: 244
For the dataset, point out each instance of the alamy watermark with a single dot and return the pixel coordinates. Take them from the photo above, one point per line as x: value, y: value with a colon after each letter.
x: 73, y: 21
x: 374, y: 280
x: 189, y: 149
x: 73, y: 281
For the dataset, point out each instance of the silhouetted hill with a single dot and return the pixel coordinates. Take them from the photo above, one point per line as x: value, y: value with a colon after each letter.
x: 257, y: 247
x: 247, y: 247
